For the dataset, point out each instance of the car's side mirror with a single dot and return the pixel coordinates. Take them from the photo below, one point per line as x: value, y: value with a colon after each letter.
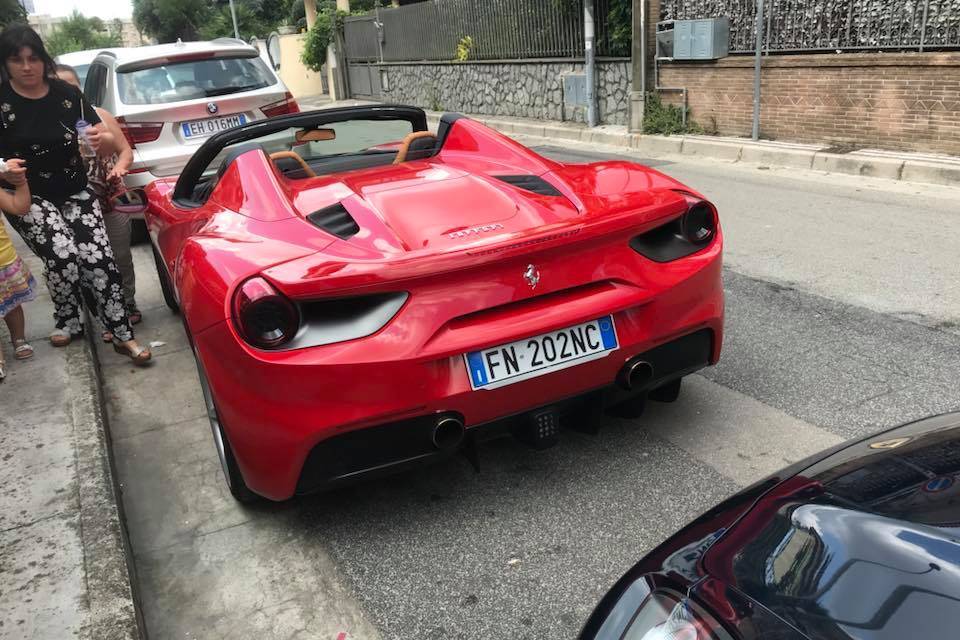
x: 316, y: 135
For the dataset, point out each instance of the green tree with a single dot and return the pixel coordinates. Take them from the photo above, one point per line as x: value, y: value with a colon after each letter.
x: 11, y: 11
x: 167, y: 20
x: 274, y: 13
x: 78, y: 33
x: 620, y: 27
x: 255, y: 18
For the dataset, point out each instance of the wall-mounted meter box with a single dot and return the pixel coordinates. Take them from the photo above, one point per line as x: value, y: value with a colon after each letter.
x: 707, y: 39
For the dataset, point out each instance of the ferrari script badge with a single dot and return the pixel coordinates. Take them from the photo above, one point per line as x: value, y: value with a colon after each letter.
x: 532, y: 276
x: 465, y: 233
x: 212, y: 108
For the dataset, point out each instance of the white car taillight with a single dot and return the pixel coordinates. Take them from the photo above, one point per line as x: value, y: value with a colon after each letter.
x: 139, y: 132
x: 281, y: 107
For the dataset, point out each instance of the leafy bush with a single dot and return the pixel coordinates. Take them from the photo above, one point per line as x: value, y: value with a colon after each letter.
x: 314, y: 54
x: 463, y: 48
x: 666, y: 119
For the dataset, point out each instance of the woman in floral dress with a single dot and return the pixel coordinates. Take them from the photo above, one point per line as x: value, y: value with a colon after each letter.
x: 64, y: 227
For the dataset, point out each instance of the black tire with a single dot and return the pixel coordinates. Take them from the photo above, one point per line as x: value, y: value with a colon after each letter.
x: 228, y: 464
x: 138, y: 231
x: 165, y: 287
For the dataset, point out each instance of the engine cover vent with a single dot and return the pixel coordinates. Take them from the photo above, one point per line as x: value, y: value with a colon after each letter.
x: 534, y: 184
x: 335, y: 219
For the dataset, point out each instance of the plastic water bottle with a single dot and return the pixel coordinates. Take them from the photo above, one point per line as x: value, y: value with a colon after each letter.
x: 83, y: 128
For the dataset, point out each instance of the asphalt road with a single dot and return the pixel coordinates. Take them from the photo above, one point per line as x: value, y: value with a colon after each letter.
x: 842, y: 308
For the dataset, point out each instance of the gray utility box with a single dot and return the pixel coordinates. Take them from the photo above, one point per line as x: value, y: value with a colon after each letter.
x: 575, y: 90
x: 707, y: 39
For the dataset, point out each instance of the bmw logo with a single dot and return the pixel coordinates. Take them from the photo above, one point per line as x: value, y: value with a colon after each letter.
x: 212, y: 108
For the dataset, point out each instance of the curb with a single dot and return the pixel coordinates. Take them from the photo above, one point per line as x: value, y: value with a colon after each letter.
x: 905, y: 167
x: 115, y: 613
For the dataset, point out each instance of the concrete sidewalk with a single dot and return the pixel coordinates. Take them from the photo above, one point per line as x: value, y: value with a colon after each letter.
x: 63, y: 559
x: 907, y: 167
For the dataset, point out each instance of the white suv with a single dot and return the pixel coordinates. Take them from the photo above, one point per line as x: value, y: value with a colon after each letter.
x: 169, y: 98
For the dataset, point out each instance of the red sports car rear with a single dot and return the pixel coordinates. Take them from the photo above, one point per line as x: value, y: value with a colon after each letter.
x: 353, y: 314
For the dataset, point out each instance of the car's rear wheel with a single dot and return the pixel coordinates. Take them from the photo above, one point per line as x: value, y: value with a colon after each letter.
x: 166, y: 288
x: 231, y: 472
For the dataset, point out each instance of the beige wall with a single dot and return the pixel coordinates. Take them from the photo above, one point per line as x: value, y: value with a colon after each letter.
x: 299, y: 80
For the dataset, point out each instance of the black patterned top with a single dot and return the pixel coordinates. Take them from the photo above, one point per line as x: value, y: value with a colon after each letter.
x: 43, y: 132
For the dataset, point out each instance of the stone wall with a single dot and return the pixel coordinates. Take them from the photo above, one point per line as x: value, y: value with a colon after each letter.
x: 529, y: 89
x: 905, y: 101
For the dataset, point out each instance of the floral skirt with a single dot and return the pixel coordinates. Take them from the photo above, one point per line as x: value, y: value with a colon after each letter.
x: 16, y: 286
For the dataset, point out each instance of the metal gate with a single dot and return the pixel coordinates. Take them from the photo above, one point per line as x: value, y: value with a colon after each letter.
x: 364, y: 79
x: 363, y: 48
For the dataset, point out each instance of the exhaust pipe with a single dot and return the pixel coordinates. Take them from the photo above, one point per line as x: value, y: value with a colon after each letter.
x: 635, y: 374
x: 448, y: 433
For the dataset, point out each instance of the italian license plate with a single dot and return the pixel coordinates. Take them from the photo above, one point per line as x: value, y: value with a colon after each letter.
x: 536, y: 356
x: 210, y: 126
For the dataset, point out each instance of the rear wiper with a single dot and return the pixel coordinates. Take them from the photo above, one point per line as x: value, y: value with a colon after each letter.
x: 225, y: 90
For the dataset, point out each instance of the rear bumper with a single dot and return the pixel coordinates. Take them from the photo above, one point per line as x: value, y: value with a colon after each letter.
x: 279, y: 410
x: 392, y: 447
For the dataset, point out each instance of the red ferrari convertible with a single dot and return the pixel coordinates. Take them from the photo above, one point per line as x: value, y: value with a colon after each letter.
x: 363, y: 295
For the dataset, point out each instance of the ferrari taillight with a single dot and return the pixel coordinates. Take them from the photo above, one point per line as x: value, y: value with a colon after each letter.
x: 264, y: 317
x: 282, y: 107
x: 682, y: 236
x: 139, y: 132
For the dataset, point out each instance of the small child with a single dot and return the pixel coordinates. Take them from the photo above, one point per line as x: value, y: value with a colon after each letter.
x: 16, y: 283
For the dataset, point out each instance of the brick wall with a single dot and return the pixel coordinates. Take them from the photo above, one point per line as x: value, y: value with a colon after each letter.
x: 907, y: 101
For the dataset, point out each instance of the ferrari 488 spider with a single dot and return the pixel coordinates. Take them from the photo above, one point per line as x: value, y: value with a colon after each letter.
x: 362, y: 295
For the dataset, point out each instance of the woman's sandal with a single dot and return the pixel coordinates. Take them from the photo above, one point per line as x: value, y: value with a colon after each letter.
x: 60, y: 338
x: 134, y: 315
x: 22, y: 349
x: 140, y: 357
x: 107, y: 337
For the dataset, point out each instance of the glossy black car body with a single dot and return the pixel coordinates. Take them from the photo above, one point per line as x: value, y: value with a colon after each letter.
x: 861, y: 541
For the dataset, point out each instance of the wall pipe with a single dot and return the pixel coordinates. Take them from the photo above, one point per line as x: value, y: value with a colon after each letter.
x: 757, y: 58
x: 658, y: 88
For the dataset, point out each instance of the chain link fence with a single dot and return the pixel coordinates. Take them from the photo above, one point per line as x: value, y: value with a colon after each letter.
x: 831, y: 25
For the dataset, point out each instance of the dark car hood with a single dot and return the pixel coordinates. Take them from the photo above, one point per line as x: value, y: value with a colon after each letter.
x: 863, y: 544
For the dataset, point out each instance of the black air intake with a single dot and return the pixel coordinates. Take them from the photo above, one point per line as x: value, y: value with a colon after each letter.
x: 534, y: 184
x: 335, y: 219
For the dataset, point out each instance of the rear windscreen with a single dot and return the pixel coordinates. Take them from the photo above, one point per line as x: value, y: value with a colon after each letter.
x: 193, y: 79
